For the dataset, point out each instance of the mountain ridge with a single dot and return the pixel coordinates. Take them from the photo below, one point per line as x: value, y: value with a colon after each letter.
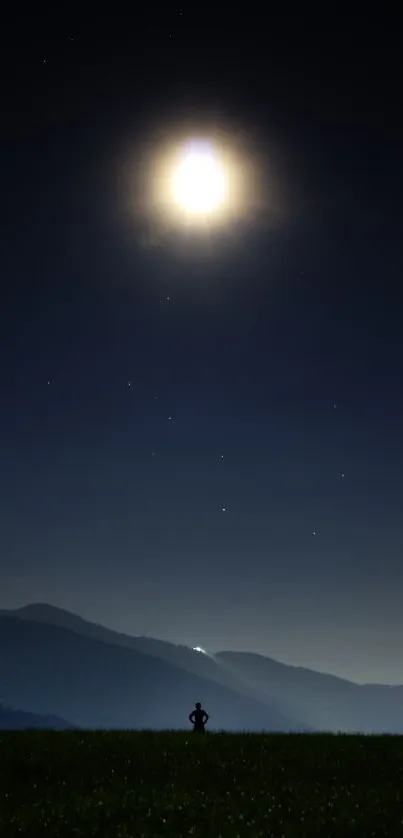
x: 51, y: 669
x: 317, y: 700
x: 12, y: 719
x: 180, y: 655
x: 45, y: 612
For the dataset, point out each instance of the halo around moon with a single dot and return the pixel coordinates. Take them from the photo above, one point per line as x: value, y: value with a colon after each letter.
x: 199, y: 183
x: 203, y: 182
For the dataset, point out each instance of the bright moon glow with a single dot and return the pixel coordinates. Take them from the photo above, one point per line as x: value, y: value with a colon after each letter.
x: 199, y: 649
x: 197, y: 184
x: 198, y: 180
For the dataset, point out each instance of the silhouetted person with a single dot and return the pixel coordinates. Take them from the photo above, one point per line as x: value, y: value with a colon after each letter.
x: 198, y: 718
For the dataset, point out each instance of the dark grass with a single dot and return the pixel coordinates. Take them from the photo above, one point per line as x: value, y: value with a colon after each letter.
x: 122, y: 784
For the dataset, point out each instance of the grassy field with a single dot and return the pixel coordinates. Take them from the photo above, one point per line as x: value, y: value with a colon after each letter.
x: 177, y: 784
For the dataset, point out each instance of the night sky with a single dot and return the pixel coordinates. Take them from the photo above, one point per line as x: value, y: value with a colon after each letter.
x: 201, y: 434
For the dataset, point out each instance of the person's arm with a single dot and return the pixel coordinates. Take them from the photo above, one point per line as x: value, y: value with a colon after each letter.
x: 206, y: 717
x: 191, y: 717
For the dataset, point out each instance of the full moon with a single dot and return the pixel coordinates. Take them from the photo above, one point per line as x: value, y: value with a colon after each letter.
x: 198, y: 180
x: 202, y: 184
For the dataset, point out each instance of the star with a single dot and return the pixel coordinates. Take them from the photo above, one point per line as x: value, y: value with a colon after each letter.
x: 129, y: 383
x: 335, y: 406
x: 223, y: 509
x: 314, y: 532
x: 167, y: 299
x: 342, y: 474
x: 169, y: 418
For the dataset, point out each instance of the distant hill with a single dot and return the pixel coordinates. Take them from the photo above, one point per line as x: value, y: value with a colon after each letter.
x: 205, y: 666
x: 48, y: 669
x: 323, y: 701
x: 20, y: 720
x: 313, y: 699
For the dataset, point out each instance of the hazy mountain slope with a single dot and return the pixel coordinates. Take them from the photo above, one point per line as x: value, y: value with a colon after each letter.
x: 49, y: 669
x: 324, y: 701
x: 20, y: 720
x: 181, y: 656
x: 318, y: 700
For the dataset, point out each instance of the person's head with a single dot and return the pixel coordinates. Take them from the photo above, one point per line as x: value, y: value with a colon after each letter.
x: 198, y: 705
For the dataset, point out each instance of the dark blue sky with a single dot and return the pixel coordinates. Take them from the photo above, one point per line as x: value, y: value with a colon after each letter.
x: 278, y: 356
